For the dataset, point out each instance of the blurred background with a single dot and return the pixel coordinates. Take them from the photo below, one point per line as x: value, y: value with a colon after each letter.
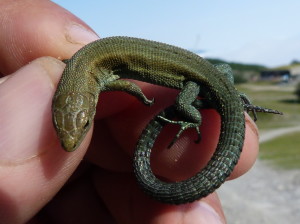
x: 261, y: 41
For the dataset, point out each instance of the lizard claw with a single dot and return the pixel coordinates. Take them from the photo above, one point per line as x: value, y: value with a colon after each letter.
x: 254, y: 109
x: 149, y: 102
x: 199, y: 135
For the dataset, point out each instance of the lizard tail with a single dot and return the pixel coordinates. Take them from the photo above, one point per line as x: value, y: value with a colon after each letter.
x: 204, y: 182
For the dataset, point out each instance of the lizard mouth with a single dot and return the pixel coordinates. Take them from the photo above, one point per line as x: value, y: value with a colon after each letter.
x: 71, y: 140
x: 68, y: 143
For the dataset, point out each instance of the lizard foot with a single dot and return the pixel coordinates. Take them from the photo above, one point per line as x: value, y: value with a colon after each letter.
x: 254, y: 109
x: 184, y: 125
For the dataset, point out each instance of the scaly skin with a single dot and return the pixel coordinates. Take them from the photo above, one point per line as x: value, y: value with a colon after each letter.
x: 99, y: 67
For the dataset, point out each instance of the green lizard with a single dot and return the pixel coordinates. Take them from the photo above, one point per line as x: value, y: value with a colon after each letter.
x: 101, y: 65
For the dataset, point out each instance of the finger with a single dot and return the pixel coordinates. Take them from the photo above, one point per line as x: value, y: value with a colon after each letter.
x: 62, y: 209
x: 185, y: 158
x: 34, y: 28
x: 33, y: 165
x: 189, y: 158
x: 250, y: 149
x: 124, y: 199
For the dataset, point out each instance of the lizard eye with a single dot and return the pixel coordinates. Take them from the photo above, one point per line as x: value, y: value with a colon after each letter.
x: 82, y: 120
x: 86, y: 124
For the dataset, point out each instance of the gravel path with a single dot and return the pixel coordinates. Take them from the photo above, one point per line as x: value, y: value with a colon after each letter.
x: 264, y: 195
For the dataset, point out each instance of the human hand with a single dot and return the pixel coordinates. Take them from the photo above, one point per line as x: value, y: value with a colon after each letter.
x: 33, y: 166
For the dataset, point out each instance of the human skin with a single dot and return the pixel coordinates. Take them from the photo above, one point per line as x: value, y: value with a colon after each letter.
x: 35, y: 171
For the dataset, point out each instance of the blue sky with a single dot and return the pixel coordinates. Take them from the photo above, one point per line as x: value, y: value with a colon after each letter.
x: 250, y: 31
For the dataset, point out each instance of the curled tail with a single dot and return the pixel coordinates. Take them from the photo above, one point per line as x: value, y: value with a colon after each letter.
x: 204, y: 182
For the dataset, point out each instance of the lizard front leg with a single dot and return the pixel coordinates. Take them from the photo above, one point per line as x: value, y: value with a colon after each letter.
x: 130, y: 88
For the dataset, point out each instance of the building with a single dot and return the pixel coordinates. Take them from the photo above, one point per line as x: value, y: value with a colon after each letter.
x: 283, y: 74
x: 276, y: 75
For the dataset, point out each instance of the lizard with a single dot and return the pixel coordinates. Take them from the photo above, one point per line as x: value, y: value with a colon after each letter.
x: 108, y: 63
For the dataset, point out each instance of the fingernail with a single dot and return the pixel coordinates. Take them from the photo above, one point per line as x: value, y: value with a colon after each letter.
x: 78, y: 34
x: 2, y: 80
x: 203, y: 213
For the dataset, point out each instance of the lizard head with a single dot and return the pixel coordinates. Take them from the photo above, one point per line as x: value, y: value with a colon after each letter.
x: 72, y: 118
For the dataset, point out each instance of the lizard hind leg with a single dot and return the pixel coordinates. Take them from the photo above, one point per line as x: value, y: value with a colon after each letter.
x: 226, y: 70
x: 248, y: 106
x: 185, y: 109
x: 246, y: 101
x: 130, y: 88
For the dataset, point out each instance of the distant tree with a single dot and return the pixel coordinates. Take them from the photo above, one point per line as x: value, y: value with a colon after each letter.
x: 295, y: 62
x: 297, y: 91
x: 239, y: 78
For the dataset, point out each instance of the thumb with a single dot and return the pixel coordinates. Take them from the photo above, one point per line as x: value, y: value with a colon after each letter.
x: 33, y: 167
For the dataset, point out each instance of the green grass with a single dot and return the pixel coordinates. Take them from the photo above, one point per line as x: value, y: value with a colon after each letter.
x: 283, y: 152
